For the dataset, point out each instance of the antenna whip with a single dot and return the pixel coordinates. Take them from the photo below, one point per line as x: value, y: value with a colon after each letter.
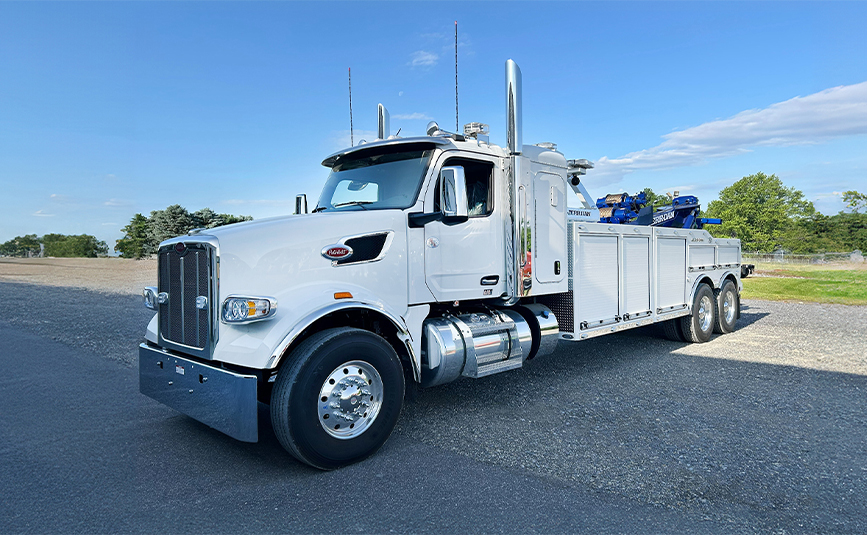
x: 351, y: 133
x: 457, y: 123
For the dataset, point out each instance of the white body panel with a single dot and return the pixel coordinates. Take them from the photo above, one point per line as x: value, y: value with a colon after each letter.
x: 625, y: 276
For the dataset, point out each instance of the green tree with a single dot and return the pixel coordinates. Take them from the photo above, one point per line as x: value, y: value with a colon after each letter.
x: 207, y: 218
x: 142, y: 236
x: 83, y: 245
x: 28, y: 244
x: 135, y: 237
x: 855, y: 201
x: 656, y: 200
x: 175, y: 220
x: 759, y: 210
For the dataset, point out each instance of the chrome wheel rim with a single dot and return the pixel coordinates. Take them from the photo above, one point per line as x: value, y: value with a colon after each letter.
x: 729, y: 307
x: 350, y: 399
x: 705, y: 313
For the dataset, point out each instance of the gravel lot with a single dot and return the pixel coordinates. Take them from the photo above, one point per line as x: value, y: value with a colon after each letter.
x: 763, y: 430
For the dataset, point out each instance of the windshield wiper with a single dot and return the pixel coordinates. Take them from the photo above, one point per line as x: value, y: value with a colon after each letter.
x: 355, y: 203
x: 318, y: 209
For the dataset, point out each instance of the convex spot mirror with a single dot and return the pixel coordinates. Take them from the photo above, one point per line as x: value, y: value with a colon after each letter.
x: 453, y: 192
x: 356, y: 185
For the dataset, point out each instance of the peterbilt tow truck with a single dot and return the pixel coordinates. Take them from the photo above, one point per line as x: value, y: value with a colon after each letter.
x: 426, y: 259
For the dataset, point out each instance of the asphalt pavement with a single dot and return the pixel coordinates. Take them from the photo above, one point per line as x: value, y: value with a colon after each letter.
x: 624, y: 434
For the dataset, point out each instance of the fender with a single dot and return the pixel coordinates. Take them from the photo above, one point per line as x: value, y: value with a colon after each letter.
x: 698, y: 281
x: 399, y: 324
x: 713, y: 285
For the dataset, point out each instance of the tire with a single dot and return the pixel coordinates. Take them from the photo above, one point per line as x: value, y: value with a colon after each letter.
x: 727, y: 304
x: 345, y: 366
x: 698, y: 326
x: 672, y: 330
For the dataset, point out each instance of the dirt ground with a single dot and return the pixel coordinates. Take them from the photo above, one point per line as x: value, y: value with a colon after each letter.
x: 107, y: 275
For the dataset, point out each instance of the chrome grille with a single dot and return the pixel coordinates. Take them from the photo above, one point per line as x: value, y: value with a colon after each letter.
x: 186, y: 276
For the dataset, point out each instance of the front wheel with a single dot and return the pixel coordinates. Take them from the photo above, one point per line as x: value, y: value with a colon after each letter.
x: 698, y: 326
x: 338, y: 399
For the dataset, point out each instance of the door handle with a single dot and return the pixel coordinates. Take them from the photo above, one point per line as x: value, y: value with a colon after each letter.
x: 490, y: 280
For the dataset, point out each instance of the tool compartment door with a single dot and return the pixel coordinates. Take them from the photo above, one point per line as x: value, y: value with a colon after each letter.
x: 670, y: 272
x: 597, y: 279
x: 636, y: 275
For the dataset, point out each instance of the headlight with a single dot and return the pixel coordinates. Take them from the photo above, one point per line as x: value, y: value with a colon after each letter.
x: 150, y: 297
x: 242, y: 309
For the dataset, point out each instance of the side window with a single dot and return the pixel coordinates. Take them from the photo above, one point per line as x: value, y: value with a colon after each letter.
x: 480, y: 190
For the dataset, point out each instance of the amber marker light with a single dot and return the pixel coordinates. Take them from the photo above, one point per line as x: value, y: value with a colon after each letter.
x: 343, y: 295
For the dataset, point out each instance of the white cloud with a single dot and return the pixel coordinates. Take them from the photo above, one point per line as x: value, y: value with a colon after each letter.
x: 41, y: 213
x: 109, y: 224
x: 422, y: 58
x: 832, y: 113
x: 400, y: 93
x: 117, y: 202
x: 412, y: 116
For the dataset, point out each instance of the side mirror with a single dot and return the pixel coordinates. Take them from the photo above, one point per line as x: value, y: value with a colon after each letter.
x: 453, y: 192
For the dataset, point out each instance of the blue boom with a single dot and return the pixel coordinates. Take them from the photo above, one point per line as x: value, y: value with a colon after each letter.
x: 623, y: 209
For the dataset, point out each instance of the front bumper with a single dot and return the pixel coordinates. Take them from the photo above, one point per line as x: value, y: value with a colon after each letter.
x: 218, y: 398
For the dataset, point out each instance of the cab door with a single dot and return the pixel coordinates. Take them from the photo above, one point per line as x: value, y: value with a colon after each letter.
x: 464, y: 259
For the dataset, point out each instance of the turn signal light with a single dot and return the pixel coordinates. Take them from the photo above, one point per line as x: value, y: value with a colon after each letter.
x: 343, y: 295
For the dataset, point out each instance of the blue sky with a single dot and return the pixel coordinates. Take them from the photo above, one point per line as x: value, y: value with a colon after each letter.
x: 108, y: 109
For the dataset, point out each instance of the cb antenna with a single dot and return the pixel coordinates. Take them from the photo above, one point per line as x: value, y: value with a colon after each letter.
x: 351, y: 133
x: 457, y: 127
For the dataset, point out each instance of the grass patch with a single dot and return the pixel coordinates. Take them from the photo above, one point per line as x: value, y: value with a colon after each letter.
x: 815, y: 284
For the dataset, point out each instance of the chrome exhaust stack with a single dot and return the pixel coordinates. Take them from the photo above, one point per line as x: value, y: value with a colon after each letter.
x: 515, y: 254
x: 514, y: 135
x: 383, y: 127
x: 301, y: 204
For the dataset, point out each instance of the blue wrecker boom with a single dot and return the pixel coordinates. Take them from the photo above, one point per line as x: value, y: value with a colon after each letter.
x: 624, y: 209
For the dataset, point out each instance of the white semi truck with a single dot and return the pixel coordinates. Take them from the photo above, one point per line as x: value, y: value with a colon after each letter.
x: 426, y: 259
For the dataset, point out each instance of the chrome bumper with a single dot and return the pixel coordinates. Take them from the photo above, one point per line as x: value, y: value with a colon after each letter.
x: 218, y: 398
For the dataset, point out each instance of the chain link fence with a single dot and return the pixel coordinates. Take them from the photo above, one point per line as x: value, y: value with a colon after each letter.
x: 782, y: 257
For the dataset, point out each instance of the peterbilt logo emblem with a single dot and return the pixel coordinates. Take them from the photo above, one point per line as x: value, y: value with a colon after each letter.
x: 337, y: 252
x: 180, y: 248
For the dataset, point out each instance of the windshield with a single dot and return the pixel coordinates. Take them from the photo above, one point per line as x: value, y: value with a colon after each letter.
x: 379, y: 181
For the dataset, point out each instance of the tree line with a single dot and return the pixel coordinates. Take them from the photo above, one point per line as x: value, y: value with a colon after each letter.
x: 142, y: 236
x: 767, y: 216
x: 758, y: 209
x: 83, y: 245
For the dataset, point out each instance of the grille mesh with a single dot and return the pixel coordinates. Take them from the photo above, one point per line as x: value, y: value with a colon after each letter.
x: 563, y: 308
x: 184, y: 277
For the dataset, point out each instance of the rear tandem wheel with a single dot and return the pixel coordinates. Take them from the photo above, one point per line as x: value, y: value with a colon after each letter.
x: 698, y: 326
